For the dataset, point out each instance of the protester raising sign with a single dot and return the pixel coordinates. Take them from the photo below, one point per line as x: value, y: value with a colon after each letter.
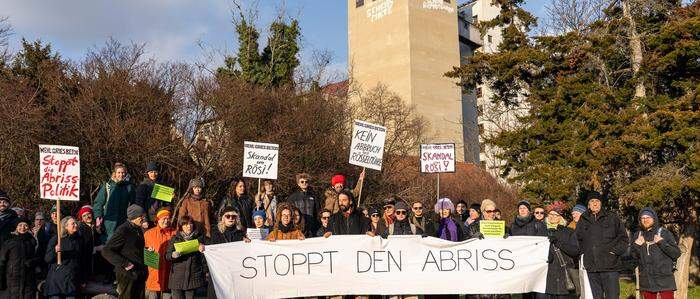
x: 367, y: 147
x: 436, y: 158
x: 343, y: 265
x: 59, y: 167
x: 260, y: 160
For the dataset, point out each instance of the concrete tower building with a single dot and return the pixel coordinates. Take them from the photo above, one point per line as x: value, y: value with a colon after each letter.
x: 408, y: 45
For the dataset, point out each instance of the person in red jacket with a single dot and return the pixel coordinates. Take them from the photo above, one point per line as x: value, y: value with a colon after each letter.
x: 156, y: 240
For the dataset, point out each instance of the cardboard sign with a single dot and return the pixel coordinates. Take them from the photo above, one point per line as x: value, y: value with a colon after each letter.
x: 260, y: 160
x: 367, y: 147
x: 492, y: 228
x: 257, y: 233
x: 436, y: 158
x: 163, y: 193
x: 187, y: 246
x: 59, y: 170
x: 151, y: 258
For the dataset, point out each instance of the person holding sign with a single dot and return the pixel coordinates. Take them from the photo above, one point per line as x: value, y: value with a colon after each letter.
x: 112, y: 201
x: 562, y: 252
x: 156, y: 241
x: 195, y: 206
x: 62, y: 279
x: 144, y: 191
x: 449, y: 228
x: 489, y: 226
x: 337, y: 185
x: 125, y: 252
x: 284, y: 227
x: 187, y: 272
x: 238, y: 198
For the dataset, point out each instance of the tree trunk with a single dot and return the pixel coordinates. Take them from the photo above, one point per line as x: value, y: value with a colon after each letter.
x: 683, y: 263
x: 635, y: 44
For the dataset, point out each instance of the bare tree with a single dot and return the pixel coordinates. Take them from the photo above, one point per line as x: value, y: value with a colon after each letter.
x: 573, y: 15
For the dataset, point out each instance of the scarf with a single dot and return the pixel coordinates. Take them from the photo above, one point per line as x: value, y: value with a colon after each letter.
x: 286, y: 228
x: 187, y: 237
x: 195, y: 197
x: 448, y: 230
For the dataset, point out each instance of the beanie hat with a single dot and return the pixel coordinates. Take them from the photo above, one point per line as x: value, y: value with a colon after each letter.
x: 18, y: 210
x: 152, y: 166
x: 476, y: 207
x: 444, y: 204
x: 83, y: 210
x: 647, y: 212
x: 462, y: 202
x: 390, y: 201
x: 64, y: 210
x: 557, y: 207
x: 401, y: 206
x: 487, y: 204
x: 196, y: 182
x: 525, y: 203
x: 373, y: 210
x: 227, y: 209
x: 162, y: 213
x: 579, y: 208
x: 259, y: 213
x: 134, y: 211
x: 593, y: 195
x: 3, y: 195
x: 20, y: 220
x: 338, y: 178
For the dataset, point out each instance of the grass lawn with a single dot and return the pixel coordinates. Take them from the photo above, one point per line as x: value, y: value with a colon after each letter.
x: 627, y: 289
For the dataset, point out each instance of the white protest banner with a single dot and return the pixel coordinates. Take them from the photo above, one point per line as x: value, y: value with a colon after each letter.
x: 342, y: 265
x: 437, y: 157
x: 59, y: 169
x: 367, y: 147
x: 260, y: 160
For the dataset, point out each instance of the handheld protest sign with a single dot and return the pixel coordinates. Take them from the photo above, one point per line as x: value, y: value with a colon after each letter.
x: 164, y: 193
x: 187, y: 246
x: 367, y: 146
x: 492, y: 228
x: 260, y: 160
x: 437, y: 157
x: 59, y: 169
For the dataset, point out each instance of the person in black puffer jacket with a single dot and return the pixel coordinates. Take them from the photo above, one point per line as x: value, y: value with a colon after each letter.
x: 563, y: 249
x: 656, y: 250
x: 238, y: 198
x: 603, y: 239
x: 8, y: 217
x: 17, y: 261
x: 187, y: 272
x: 62, y: 280
x: 525, y: 223
x: 401, y: 225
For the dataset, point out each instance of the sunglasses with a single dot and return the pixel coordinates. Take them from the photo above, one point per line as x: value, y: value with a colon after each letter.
x: 388, y: 207
x: 303, y: 182
x: 375, y: 215
x: 539, y: 213
x: 489, y: 211
x: 325, y: 218
x: 42, y: 219
x: 400, y: 212
x: 231, y: 216
x: 417, y: 208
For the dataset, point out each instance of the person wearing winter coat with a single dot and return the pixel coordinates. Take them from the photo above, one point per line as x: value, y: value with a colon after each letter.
x: 17, y: 262
x: 461, y: 211
x: 603, y: 239
x: 348, y: 221
x: 196, y: 207
x: 449, y: 228
x: 337, y: 185
x: 401, y: 225
x: 576, y: 213
x: 284, y: 227
x: 228, y: 230
x: 8, y: 217
x: 187, y: 272
x: 656, y: 250
x: 376, y: 225
x: 156, y: 240
x: 259, y: 221
x: 525, y: 223
x: 563, y: 249
x: 266, y: 201
x: 300, y: 222
x: 125, y: 252
x: 238, y: 198
x: 325, y: 217
x: 89, y: 233
x: 307, y: 202
x: 142, y: 196
x: 421, y: 219
x: 62, y: 280
x: 111, y: 203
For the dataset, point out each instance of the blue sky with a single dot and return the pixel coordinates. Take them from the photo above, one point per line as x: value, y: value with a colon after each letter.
x: 175, y: 30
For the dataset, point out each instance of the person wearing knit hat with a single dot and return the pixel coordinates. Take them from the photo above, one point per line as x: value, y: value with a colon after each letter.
x: 124, y: 251
x: 89, y: 233
x: 156, y: 240
x: 17, y: 267
x: 196, y: 207
x: 142, y: 195
x: 401, y: 225
x: 8, y: 217
x: 656, y: 250
x: 576, y: 213
x: 259, y: 219
x: 449, y: 228
x: 338, y: 184
x: 564, y: 249
x: 603, y: 239
x: 525, y: 223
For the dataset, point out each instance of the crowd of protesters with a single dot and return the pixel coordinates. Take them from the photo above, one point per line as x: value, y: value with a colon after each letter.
x: 109, y: 238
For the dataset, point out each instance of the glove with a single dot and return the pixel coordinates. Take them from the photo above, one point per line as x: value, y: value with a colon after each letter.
x: 553, y: 239
x: 480, y: 236
x: 505, y: 236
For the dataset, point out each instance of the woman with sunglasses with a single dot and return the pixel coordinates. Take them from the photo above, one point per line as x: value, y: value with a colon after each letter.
x: 325, y: 220
x: 539, y: 213
x: 401, y: 225
x: 376, y: 226
x: 228, y: 230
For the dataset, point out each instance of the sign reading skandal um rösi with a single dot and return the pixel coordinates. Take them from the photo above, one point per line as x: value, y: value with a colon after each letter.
x: 343, y: 265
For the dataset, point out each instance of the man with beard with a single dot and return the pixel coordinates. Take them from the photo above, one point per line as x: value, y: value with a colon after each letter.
x: 462, y: 211
x: 422, y: 219
x: 347, y: 221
